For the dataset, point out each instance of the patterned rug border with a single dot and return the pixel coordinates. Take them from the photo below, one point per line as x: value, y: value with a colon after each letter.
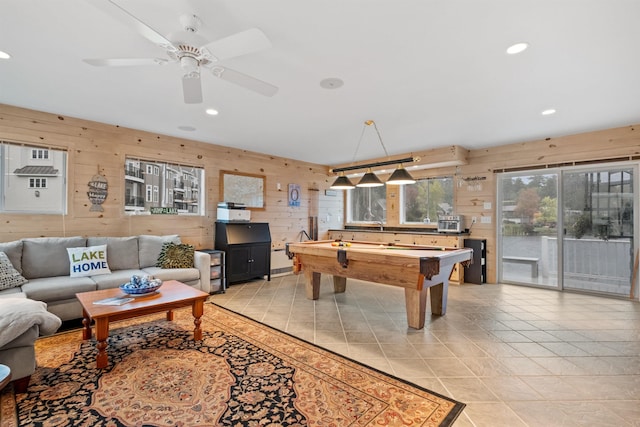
x: 453, y: 415
x: 8, y: 415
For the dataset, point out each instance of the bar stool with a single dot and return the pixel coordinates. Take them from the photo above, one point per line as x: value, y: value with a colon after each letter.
x: 5, y: 376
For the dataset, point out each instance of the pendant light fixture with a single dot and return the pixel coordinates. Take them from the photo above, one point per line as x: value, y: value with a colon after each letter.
x: 369, y: 179
x: 342, y: 183
x: 399, y: 177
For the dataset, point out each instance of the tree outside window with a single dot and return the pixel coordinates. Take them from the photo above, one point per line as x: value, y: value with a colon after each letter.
x: 424, y: 200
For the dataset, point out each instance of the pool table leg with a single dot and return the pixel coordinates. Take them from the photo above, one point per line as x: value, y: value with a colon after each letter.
x: 439, y: 298
x: 416, y: 303
x: 313, y: 284
x: 339, y: 284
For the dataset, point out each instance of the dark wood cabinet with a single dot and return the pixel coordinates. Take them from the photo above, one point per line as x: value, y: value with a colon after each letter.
x: 247, y: 248
x: 477, y: 271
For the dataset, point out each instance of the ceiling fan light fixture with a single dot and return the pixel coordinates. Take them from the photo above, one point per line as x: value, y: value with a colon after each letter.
x: 342, y: 183
x: 400, y: 177
x: 369, y: 179
x: 190, y: 65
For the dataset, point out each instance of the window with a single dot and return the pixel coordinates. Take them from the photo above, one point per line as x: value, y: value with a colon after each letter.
x: 32, y: 179
x: 423, y: 201
x: 367, y: 204
x: 164, y: 188
x: 39, y: 153
x: 37, y: 182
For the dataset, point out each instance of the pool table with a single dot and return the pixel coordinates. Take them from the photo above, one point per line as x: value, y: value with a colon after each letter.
x: 415, y: 268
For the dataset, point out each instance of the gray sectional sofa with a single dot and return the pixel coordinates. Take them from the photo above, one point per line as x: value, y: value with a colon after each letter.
x: 44, y: 262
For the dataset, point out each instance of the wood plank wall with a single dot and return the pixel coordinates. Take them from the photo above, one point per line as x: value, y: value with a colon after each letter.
x: 95, y: 146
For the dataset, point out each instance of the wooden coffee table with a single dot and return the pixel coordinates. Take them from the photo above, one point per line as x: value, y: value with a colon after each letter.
x: 170, y: 296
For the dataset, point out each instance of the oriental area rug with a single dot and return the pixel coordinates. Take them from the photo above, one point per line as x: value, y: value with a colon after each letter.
x: 243, y: 373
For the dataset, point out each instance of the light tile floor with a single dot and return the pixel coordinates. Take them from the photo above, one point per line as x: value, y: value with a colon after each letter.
x: 516, y: 356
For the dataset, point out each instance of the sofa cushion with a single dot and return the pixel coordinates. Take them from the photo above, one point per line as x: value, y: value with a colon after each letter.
x: 150, y: 247
x: 184, y: 275
x: 14, y: 252
x: 122, y: 252
x: 57, y: 288
x: 116, y: 278
x: 47, y: 256
x: 12, y: 293
x: 88, y: 261
x: 175, y: 256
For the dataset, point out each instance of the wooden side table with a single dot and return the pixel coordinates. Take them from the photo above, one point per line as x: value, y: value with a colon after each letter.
x: 5, y: 376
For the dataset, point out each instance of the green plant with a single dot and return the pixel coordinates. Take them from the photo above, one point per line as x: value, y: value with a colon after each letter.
x: 581, y: 226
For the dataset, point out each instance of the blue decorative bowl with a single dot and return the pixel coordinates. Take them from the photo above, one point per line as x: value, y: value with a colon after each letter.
x: 141, y: 288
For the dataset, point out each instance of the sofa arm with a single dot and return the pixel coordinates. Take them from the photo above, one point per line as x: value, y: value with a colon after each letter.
x: 202, y: 261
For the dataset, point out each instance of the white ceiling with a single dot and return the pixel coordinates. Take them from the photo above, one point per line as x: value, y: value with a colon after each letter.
x: 431, y: 73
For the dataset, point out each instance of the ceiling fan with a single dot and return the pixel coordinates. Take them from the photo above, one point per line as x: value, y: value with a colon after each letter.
x: 192, y: 59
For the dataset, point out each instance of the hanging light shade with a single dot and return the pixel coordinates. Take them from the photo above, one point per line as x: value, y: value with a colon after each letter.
x: 400, y: 177
x: 342, y: 183
x: 369, y: 180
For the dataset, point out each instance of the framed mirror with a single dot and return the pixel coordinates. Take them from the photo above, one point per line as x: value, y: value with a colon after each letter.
x: 246, y: 188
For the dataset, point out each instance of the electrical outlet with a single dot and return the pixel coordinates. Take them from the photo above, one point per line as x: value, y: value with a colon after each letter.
x: 474, y: 220
x: 485, y: 220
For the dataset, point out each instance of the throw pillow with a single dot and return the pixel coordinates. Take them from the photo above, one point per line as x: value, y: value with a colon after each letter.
x: 175, y: 255
x: 88, y: 261
x: 9, y: 276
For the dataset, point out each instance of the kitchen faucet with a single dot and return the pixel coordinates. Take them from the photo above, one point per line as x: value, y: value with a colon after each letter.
x: 381, y: 225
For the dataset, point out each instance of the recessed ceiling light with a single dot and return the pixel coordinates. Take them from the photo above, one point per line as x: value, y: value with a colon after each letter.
x: 187, y: 128
x: 548, y: 112
x: 517, y: 48
x: 331, y: 83
x: 211, y: 112
x: 4, y: 55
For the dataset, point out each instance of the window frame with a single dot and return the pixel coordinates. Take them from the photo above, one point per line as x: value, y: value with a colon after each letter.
x: 158, y: 182
x: 37, y: 183
x: 17, y: 195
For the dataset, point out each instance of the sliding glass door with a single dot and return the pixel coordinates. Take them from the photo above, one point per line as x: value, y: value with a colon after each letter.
x: 598, y: 222
x: 571, y: 228
x: 528, y: 236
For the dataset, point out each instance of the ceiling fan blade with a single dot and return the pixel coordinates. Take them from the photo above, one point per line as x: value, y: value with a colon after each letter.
x: 242, y: 43
x: 192, y: 89
x: 248, y: 82
x: 125, y: 62
x: 112, y: 8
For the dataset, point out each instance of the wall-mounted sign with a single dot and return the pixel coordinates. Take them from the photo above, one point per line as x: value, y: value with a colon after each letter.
x: 163, y: 211
x: 294, y: 195
x: 97, y: 192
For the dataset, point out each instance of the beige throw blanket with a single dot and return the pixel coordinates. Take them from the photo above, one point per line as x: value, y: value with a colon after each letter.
x: 17, y: 315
